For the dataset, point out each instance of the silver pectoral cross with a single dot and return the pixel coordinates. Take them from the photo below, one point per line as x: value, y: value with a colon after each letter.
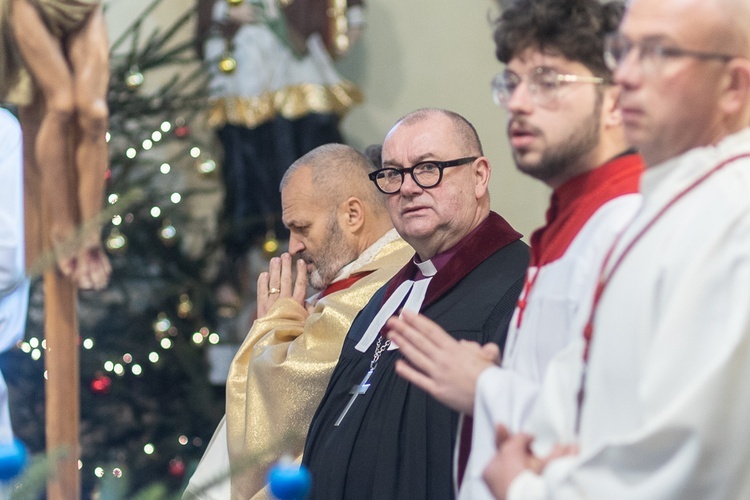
x: 356, y: 391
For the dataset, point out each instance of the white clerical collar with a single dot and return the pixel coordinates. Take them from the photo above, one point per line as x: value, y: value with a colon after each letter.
x: 367, y: 256
x: 410, y: 293
x: 427, y: 268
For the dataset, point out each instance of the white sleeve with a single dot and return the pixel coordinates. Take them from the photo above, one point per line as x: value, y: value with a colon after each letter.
x: 11, y: 209
x: 213, y: 465
x: 502, y: 397
x: 508, y: 395
x: 686, y: 435
x: 14, y: 286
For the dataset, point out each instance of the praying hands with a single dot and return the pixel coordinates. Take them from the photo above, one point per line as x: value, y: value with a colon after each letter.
x: 279, y: 283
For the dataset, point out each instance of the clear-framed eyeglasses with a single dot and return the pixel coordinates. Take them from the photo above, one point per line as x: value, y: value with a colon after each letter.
x: 426, y: 174
x: 652, y: 53
x: 544, y: 84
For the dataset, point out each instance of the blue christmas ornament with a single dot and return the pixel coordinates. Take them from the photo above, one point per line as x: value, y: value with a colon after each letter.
x: 12, y: 459
x: 289, y: 481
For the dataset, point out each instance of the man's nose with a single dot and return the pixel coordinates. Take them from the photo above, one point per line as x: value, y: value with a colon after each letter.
x: 521, y: 100
x: 628, y: 71
x: 410, y: 186
x: 295, y: 245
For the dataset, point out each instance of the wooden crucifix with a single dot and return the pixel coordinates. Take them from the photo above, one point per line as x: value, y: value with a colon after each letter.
x: 55, y: 66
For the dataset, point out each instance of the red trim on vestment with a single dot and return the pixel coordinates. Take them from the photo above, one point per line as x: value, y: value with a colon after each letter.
x: 605, y: 277
x: 573, y: 204
x: 571, y: 207
x: 343, y: 284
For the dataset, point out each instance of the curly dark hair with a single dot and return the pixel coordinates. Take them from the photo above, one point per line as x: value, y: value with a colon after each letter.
x: 573, y: 28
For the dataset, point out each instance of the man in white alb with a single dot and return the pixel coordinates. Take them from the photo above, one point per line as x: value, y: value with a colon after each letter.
x: 654, y: 393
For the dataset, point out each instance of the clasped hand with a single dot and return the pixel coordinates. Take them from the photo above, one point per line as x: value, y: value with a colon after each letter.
x: 513, y: 457
x: 280, y: 282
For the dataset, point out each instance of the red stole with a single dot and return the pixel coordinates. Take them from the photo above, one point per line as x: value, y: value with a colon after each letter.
x: 573, y: 204
x: 605, y: 275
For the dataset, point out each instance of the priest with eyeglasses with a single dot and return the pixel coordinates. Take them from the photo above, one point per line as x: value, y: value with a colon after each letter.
x: 374, y: 435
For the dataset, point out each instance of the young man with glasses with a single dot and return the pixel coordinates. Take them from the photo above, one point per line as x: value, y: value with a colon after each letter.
x: 375, y: 436
x: 565, y: 130
x: 654, y: 394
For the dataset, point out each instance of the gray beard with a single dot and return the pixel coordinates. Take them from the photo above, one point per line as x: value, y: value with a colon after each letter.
x: 317, y: 280
x: 334, y: 256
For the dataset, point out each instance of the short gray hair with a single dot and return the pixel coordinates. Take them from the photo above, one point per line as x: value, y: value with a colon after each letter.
x: 338, y: 172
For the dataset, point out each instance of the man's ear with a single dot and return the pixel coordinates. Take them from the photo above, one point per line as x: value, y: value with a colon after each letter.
x: 482, y: 172
x: 352, y: 214
x: 611, y: 114
x: 736, y: 89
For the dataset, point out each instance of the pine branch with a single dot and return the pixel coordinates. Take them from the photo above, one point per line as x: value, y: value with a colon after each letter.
x: 135, y: 27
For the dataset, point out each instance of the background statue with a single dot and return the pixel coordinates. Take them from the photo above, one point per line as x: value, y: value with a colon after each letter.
x: 275, y: 96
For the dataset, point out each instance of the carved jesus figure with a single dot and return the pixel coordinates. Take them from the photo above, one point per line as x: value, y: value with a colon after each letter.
x: 55, y: 67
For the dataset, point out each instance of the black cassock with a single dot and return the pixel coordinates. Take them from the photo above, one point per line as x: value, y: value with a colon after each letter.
x: 396, y: 441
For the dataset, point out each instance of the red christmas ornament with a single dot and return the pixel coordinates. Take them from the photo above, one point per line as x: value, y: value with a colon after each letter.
x: 101, y: 384
x: 177, y: 468
x: 182, y: 131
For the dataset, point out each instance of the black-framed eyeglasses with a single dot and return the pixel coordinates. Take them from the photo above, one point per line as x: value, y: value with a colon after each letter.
x: 426, y: 174
x: 652, y: 52
x: 544, y: 84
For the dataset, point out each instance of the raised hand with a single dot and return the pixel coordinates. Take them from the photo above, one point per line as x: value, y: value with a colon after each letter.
x: 279, y: 282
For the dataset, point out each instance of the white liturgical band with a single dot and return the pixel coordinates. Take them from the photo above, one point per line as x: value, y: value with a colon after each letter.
x: 413, y: 291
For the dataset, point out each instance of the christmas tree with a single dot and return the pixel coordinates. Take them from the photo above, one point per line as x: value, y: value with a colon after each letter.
x: 147, y: 406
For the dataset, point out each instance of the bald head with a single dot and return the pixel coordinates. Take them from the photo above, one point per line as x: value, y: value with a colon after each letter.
x: 676, y: 103
x: 466, y: 134
x: 733, y: 22
x: 338, y: 172
x: 722, y: 25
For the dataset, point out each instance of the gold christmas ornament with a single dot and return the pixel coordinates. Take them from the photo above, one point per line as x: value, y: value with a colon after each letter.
x: 270, y: 245
x: 227, y: 63
x: 134, y: 78
x: 185, y: 306
x: 235, y: 3
x: 116, y: 242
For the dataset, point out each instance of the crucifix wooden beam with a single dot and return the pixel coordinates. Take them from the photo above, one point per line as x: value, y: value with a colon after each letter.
x: 60, y: 82
x: 62, y: 397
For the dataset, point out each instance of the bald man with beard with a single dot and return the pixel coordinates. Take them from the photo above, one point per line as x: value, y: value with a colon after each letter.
x: 347, y: 249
